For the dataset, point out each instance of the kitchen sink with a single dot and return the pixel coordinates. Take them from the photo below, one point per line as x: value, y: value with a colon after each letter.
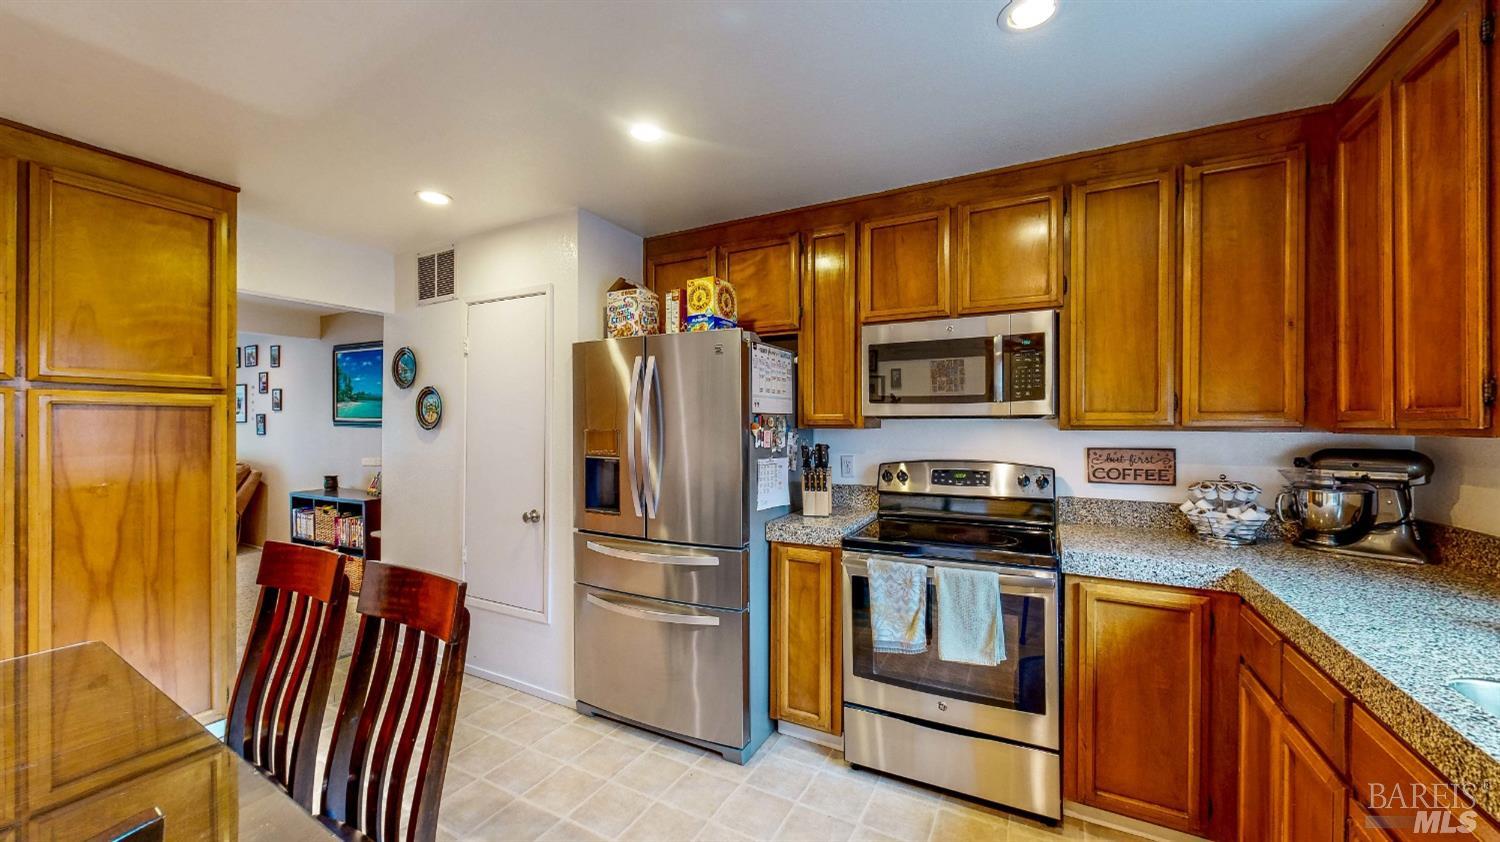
x: 1484, y: 692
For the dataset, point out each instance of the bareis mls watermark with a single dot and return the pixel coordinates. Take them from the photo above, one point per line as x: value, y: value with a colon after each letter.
x: 1422, y: 808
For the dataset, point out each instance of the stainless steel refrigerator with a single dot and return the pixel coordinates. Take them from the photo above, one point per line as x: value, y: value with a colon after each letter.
x: 683, y: 446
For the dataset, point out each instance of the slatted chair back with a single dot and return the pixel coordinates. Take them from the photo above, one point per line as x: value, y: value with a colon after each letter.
x: 281, y: 694
x: 399, y: 693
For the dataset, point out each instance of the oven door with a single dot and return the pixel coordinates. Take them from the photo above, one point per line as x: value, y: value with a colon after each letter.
x: 1018, y: 699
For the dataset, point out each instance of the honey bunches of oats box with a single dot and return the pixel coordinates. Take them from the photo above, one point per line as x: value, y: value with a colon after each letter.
x: 711, y: 297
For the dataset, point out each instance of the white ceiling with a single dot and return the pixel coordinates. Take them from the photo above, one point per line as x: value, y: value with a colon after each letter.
x: 331, y: 114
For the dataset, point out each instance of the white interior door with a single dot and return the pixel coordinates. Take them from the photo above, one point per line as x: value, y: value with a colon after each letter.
x: 505, y: 426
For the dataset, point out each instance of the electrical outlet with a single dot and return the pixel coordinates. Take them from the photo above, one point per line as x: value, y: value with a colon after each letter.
x: 846, y: 466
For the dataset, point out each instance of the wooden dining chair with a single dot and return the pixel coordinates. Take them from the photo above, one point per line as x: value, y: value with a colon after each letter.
x: 396, y: 688
x: 288, y: 664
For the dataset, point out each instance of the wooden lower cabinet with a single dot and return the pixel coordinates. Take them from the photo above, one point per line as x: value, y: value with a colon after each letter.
x: 1309, y: 799
x: 1258, y: 722
x: 128, y: 528
x: 1150, y: 677
x: 1399, y: 787
x: 806, y: 645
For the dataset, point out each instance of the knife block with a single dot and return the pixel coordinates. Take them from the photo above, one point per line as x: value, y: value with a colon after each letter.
x: 816, y: 503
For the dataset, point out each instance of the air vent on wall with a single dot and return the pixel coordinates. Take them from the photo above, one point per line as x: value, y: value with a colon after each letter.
x: 435, y: 277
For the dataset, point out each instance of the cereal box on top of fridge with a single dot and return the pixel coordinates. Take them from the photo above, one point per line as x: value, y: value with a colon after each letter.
x: 630, y: 310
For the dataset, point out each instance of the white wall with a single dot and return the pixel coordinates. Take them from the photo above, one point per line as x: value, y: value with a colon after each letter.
x: 301, y: 443
x: 578, y: 255
x: 284, y: 262
x: 1465, y: 487
x: 1251, y: 457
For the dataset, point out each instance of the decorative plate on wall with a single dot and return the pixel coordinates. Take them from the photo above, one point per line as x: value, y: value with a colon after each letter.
x: 429, y: 407
x: 404, y: 368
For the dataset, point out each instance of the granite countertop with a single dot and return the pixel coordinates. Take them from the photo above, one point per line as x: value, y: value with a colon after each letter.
x: 797, y: 528
x: 1391, y: 634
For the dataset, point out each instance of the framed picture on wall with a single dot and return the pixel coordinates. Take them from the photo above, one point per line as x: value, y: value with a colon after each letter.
x: 242, y: 403
x: 252, y: 356
x: 265, y: 382
x: 275, y: 356
x: 275, y: 400
x: 238, y: 355
x: 358, y: 379
x: 260, y: 423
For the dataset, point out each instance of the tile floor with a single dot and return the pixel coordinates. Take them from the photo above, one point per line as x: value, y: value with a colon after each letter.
x: 523, y: 768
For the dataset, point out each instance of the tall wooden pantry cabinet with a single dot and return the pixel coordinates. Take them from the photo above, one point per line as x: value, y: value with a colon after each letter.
x: 116, y: 334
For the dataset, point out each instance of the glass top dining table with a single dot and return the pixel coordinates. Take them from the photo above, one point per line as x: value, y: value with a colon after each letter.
x: 87, y: 743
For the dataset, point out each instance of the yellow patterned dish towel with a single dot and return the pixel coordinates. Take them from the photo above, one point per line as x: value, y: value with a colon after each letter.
x: 898, y: 606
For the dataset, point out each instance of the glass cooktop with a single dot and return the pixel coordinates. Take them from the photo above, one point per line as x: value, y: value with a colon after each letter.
x: 957, y: 540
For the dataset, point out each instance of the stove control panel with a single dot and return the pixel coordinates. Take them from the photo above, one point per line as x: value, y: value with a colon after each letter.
x: 951, y: 476
x: 969, y: 479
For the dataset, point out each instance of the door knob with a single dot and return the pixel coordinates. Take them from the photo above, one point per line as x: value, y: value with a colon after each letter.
x: 532, y: 516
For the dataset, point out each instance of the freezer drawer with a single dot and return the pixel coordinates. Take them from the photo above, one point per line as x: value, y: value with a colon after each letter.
x: 664, y: 571
x: 680, y: 668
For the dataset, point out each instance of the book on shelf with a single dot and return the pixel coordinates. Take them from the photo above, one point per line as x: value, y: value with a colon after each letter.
x: 325, y: 525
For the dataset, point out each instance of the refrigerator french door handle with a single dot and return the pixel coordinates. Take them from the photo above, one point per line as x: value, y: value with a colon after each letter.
x: 653, y: 616
x: 653, y: 558
x: 652, y: 436
x: 632, y: 413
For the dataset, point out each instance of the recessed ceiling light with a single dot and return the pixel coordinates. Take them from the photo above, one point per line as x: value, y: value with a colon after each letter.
x: 433, y: 197
x: 1026, y: 14
x: 646, y: 132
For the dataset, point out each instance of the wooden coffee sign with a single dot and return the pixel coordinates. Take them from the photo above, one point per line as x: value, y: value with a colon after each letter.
x: 1132, y: 465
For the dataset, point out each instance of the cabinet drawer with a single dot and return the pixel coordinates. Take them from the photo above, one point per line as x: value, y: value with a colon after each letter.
x: 1317, y: 704
x: 1381, y: 767
x: 1260, y: 649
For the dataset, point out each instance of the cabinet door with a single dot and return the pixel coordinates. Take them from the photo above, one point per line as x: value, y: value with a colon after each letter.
x: 806, y: 677
x: 1364, y: 827
x: 903, y: 267
x: 1257, y: 764
x: 765, y: 279
x: 828, y: 348
x: 1310, y: 798
x: 128, y: 538
x: 1009, y: 254
x: 1141, y: 672
x: 673, y: 271
x: 1400, y: 787
x: 128, y: 286
x: 1440, y: 218
x: 9, y: 202
x: 1365, y: 340
x: 1122, y: 303
x: 1242, y: 282
x: 7, y: 524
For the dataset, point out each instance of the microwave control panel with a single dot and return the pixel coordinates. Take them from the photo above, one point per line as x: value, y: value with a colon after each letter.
x: 1025, y: 357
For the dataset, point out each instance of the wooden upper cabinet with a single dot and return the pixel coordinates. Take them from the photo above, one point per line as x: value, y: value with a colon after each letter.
x: 765, y: 275
x: 903, y: 267
x: 1242, y: 282
x: 1141, y: 671
x: 1441, y: 288
x: 1122, y: 305
x: 1009, y: 254
x: 127, y: 542
x: 806, y: 675
x: 673, y: 271
x: 1364, y: 355
x: 828, y: 347
x: 9, y: 203
x: 128, y: 286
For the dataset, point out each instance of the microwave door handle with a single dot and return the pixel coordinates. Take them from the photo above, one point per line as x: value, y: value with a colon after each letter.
x: 632, y: 411
x: 653, y: 435
x: 999, y: 353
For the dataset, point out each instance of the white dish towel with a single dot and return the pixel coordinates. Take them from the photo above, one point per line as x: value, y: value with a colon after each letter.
x: 898, y: 606
x: 969, y: 625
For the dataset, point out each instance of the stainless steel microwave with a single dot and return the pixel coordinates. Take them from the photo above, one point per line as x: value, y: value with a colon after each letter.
x: 981, y: 366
